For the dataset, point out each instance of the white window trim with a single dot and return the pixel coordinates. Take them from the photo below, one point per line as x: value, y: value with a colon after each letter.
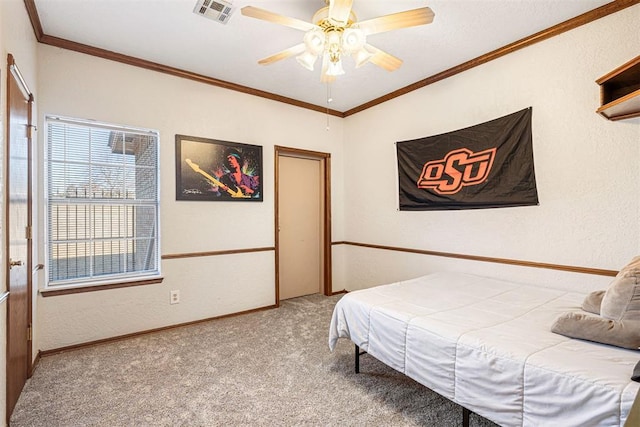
x: 103, y: 280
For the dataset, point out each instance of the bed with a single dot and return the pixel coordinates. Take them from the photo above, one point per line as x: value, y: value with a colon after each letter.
x: 486, y: 344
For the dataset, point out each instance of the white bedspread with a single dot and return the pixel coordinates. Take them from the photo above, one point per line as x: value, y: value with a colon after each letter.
x: 487, y: 345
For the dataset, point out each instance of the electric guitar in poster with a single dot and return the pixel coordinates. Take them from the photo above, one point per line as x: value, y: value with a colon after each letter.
x: 236, y: 194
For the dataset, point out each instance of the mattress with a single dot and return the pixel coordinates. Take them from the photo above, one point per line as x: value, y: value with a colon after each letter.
x: 486, y: 344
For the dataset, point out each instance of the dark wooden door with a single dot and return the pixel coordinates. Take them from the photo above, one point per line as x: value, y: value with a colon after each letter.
x: 18, y: 234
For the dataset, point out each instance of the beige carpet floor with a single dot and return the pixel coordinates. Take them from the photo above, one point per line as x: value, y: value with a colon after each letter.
x: 269, y: 368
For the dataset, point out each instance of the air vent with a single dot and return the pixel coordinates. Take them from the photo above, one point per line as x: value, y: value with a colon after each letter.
x: 217, y: 10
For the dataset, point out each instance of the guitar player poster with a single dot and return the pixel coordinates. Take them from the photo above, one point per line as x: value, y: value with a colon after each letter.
x: 213, y: 170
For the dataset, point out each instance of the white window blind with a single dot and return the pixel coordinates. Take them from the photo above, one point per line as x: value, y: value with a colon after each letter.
x: 102, y: 206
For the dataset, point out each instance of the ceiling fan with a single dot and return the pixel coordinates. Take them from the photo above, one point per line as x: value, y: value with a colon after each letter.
x: 334, y: 32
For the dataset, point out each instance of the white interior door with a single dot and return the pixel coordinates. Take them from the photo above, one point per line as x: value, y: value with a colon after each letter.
x: 300, y: 229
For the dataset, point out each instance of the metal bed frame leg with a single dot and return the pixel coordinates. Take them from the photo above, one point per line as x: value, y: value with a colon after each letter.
x: 465, y: 417
x: 358, y: 353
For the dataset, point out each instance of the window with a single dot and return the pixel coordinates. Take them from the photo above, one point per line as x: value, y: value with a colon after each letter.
x: 102, y: 206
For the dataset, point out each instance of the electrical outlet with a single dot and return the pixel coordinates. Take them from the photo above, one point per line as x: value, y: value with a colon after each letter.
x: 174, y: 297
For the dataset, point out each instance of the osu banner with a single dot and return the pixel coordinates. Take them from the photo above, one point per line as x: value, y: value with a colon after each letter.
x: 489, y: 165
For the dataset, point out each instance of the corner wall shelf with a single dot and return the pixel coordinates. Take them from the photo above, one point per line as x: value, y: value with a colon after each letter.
x: 620, y: 92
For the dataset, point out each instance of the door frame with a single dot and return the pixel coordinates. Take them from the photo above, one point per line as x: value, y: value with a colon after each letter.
x: 14, y: 73
x: 325, y: 215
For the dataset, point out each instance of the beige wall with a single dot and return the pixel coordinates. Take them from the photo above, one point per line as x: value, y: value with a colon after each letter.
x: 586, y: 167
x: 82, y: 86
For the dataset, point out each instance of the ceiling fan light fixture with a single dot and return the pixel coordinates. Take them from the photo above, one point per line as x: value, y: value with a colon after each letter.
x: 314, y: 41
x: 353, y: 40
x: 334, y: 39
x: 307, y: 59
x: 335, y: 68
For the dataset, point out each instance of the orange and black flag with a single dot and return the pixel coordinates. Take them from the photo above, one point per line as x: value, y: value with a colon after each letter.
x: 489, y: 165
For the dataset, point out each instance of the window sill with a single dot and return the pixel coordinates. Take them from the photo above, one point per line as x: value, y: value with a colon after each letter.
x: 51, y: 292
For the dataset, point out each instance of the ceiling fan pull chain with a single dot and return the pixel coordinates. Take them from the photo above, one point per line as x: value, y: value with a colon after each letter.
x: 329, y: 100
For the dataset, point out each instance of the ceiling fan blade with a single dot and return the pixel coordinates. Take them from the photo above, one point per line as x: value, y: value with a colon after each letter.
x: 287, y: 53
x: 383, y: 59
x: 394, y: 21
x: 265, y: 15
x: 339, y: 10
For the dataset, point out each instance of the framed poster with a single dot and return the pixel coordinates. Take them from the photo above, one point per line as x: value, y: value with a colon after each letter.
x: 213, y: 170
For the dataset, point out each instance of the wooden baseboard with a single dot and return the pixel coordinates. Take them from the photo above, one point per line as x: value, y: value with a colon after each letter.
x: 44, y: 353
x: 35, y: 363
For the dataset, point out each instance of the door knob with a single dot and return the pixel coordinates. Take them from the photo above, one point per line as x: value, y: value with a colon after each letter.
x: 13, y: 263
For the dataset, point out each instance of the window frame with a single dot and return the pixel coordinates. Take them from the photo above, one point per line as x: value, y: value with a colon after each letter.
x: 107, y: 281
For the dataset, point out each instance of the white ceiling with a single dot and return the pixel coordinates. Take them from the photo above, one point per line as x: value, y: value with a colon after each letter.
x: 169, y: 33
